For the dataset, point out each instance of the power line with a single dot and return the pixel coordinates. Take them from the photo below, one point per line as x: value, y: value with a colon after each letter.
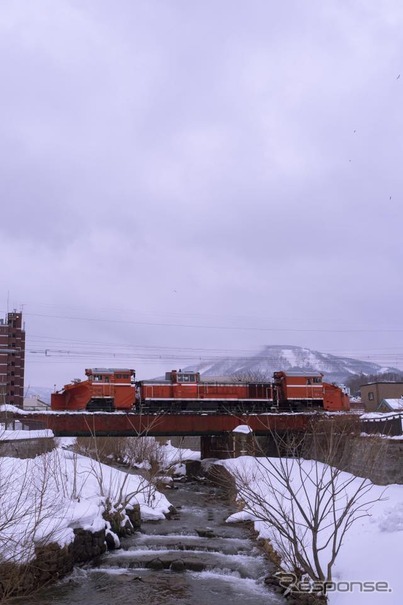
x: 212, y: 327
x: 176, y: 355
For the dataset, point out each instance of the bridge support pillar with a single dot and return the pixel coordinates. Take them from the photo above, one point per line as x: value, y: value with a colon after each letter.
x: 217, y: 446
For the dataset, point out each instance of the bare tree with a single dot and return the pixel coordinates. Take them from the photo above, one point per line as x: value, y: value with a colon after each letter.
x: 115, y: 489
x: 258, y: 376
x: 307, y: 506
x: 29, y: 518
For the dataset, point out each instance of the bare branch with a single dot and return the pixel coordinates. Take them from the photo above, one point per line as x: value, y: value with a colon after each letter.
x: 307, y: 506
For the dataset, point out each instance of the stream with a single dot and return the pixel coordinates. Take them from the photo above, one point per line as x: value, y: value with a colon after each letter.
x: 192, y: 558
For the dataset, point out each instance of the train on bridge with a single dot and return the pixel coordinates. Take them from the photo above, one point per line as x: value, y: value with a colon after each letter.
x: 188, y: 392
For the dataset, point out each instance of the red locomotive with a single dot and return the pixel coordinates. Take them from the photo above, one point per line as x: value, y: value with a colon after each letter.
x: 105, y: 389
x: 301, y: 389
x: 184, y: 391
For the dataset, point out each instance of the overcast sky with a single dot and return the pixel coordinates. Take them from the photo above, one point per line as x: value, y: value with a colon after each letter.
x: 184, y: 178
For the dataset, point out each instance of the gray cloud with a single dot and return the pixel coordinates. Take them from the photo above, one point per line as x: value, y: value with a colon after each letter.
x: 226, y: 165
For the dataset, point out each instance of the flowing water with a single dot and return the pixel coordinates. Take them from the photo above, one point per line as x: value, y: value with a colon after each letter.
x: 193, y: 558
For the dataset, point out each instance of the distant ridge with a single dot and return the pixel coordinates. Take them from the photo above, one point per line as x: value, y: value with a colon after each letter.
x: 273, y: 358
x: 269, y: 359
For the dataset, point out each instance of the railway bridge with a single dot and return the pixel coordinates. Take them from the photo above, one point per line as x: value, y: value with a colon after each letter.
x: 215, y: 430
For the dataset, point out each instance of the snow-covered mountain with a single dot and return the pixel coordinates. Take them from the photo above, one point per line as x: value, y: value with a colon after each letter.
x: 261, y: 366
x: 281, y: 357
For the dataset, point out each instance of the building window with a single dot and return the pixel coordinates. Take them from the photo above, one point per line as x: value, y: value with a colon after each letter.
x: 370, y: 396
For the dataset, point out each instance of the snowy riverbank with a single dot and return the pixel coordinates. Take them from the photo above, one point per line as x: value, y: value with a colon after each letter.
x: 372, y: 547
x: 44, y: 499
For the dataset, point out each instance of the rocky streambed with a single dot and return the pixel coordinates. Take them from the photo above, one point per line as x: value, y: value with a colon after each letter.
x: 192, y: 558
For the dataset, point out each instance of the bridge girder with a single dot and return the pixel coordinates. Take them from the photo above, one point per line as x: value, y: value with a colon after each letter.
x: 116, y: 424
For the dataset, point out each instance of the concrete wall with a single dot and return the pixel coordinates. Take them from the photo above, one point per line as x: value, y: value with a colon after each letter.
x: 26, y: 448
x: 383, y: 466
x: 379, y: 459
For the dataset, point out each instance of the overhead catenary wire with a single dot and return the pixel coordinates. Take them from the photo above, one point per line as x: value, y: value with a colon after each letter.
x: 199, y: 354
x: 68, y: 349
x: 215, y: 327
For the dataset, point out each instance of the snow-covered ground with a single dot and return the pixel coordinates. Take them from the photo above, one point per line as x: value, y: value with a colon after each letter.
x: 173, y: 456
x: 372, y: 549
x: 72, y: 490
x: 44, y: 499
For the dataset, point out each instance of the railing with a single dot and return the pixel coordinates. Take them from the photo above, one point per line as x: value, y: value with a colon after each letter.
x: 384, y: 424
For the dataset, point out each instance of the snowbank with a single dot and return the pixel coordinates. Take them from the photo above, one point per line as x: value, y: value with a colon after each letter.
x: 44, y: 499
x: 174, y: 455
x: 372, y: 548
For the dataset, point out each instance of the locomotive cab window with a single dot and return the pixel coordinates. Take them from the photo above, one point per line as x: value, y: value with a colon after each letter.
x: 317, y: 379
x: 186, y: 378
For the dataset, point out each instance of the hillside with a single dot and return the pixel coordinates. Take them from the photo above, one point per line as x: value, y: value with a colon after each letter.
x: 292, y: 358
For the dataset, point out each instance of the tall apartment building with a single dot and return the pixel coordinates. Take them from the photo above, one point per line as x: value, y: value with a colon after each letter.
x: 12, y: 359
